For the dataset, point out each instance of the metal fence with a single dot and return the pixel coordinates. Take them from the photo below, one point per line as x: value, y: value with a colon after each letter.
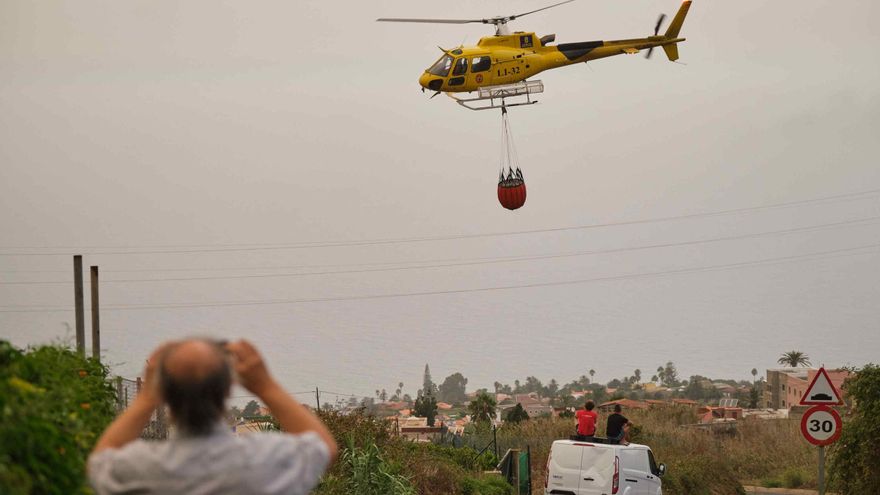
x: 126, y: 391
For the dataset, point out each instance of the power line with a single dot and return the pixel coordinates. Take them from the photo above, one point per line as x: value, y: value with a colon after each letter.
x: 479, y: 261
x: 373, y: 242
x: 768, y: 261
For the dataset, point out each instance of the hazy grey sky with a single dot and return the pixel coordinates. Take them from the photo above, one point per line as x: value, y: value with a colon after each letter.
x: 136, y: 124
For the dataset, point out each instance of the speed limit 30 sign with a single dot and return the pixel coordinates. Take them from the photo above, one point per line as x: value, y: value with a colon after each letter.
x: 821, y: 425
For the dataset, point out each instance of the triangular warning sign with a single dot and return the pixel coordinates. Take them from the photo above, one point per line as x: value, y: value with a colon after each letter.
x: 821, y: 392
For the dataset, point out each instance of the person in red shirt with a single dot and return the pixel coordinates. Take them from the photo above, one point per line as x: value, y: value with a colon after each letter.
x: 587, y: 420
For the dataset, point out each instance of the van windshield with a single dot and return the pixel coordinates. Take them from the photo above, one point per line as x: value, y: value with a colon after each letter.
x: 442, y: 66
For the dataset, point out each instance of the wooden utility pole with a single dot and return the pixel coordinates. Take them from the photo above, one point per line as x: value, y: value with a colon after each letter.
x: 96, y: 318
x: 78, y: 304
x: 318, y: 399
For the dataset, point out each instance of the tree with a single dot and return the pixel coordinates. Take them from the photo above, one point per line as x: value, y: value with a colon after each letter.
x: 854, y: 455
x: 637, y: 375
x: 482, y: 408
x: 428, y: 386
x: 497, y: 386
x: 794, y: 359
x: 232, y: 414
x: 533, y: 385
x: 754, y: 398
x: 754, y: 374
x: 426, y: 407
x: 383, y: 396
x: 517, y: 414
x: 251, y: 409
x: 696, y: 391
x: 592, y: 372
x: 552, y: 388
x: 452, y: 390
x: 668, y: 375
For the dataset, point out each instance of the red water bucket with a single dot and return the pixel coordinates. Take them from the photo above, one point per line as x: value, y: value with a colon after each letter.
x: 512, y: 193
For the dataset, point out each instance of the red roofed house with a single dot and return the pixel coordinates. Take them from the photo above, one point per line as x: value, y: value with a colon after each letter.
x: 624, y: 403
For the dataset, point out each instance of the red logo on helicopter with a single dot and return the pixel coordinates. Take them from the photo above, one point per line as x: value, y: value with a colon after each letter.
x: 479, y: 78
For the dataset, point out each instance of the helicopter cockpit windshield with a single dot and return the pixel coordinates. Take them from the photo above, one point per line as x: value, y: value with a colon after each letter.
x: 442, y: 66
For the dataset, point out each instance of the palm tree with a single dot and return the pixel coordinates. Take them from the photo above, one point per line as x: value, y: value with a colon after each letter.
x: 794, y: 359
x: 482, y: 408
x: 754, y: 374
x: 592, y: 372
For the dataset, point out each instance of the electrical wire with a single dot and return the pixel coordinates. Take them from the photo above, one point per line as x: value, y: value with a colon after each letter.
x: 762, y: 262
x: 405, y: 240
x: 478, y: 261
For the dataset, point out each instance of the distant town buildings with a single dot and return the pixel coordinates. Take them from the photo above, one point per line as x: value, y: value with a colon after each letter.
x: 786, y: 386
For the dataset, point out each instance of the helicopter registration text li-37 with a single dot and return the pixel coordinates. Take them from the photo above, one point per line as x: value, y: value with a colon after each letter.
x: 500, y: 66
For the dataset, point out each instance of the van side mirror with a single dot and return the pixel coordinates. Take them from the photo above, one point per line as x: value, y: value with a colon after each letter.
x: 661, y: 469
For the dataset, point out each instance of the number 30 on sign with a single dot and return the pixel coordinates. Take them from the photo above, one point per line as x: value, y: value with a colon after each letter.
x: 821, y: 425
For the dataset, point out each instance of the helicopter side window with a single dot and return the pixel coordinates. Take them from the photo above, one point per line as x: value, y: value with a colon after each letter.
x: 441, y: 67
x: 460, y: 68
x: 480, y: 64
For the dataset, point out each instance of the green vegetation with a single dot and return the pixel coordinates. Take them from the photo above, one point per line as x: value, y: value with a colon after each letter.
x: 369, y: 474
x: 373, y: 460
x: 854, y: 455
x: 489, y: 485
x: 426, y: 407
x: 794, y: 359
x: 54, y: 405
x: 516, y: 414
x: 482, y: 408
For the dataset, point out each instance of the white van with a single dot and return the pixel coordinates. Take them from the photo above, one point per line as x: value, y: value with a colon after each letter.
x: 594, y: 468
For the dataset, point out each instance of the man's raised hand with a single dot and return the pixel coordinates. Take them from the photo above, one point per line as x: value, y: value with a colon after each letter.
x: 250, y: 367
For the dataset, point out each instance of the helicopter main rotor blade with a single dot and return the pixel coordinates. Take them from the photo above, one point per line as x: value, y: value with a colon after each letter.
x: 543, y: 8
x: 434, y: 21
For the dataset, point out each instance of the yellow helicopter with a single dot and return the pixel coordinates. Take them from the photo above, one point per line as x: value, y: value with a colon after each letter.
x: 499, y: 66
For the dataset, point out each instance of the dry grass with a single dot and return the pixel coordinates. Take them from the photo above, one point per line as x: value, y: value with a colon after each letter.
x: 699, y: 461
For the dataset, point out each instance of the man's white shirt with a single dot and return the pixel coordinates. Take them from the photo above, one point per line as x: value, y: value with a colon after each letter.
x: 260, y: 463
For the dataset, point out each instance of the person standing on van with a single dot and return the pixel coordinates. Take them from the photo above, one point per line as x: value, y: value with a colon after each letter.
x: 618, y: 426
x: 587, y: 419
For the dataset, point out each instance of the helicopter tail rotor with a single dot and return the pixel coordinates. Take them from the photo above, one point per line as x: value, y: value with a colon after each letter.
x: 656, y: 31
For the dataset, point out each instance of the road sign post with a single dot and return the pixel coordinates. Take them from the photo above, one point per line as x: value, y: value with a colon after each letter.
x: 821, y: 425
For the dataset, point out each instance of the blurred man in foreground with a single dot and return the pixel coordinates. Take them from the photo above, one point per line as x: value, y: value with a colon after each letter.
x: 193, y: 377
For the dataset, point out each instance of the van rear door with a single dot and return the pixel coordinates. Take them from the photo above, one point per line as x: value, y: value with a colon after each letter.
x: 597, y: 470
x: 564, y: 468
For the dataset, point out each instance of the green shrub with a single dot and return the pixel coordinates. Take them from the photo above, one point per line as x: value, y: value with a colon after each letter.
x: 465, y: 457
x: 793, y: 478
x: 53, y: 406
x: 853, y: 466
x: 771, y: 483
x: 370, y: 474
x: 486, y: 485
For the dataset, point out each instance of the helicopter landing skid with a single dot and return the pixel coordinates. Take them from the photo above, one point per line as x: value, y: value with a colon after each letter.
x: 497, y: 96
